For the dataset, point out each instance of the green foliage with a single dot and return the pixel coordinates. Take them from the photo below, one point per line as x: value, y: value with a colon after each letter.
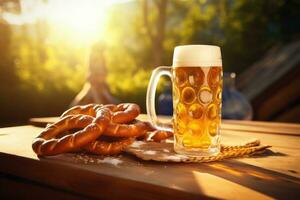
x: 47, y: 74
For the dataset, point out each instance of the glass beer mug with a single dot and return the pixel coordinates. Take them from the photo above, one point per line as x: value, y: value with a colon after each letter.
x: 196, y: 76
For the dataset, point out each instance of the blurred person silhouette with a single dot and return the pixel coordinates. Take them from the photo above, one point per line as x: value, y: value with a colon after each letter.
x: 95, y: 90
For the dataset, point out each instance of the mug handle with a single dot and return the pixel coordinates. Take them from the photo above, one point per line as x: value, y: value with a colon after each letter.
x: 150, y: 99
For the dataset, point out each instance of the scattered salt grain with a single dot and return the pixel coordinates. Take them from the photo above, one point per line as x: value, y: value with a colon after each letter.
x: 110, y: 160
x: 137, y: 144
x: 86, y: 159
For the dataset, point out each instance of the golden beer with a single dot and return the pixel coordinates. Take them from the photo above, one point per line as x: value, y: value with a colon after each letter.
x: 197, y: 93
x: 196, y: 75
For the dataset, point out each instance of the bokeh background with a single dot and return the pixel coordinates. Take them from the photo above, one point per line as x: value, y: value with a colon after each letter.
x: 45, y: 44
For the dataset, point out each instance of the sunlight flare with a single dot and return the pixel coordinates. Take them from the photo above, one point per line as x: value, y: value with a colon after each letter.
x: 83, y: 19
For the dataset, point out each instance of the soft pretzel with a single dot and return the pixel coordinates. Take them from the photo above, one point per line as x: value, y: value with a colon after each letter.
x: 158, y: 135
x: 108, y: 148
x: 135, y: 129
x: 122, y: 113
x: 46, y: 144
x: 89, y: 109
x: 94, y: 120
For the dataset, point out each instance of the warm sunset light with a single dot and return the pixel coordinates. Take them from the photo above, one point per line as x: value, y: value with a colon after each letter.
x: 84, y: 20
x: 149, y: 99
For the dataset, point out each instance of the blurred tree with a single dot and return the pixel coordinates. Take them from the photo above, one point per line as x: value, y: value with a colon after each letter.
x: 250, y: 28
x: 38, y: 77
x: 155, y: 28
x: 7, y: 69
x: 96, y: 89
x: 9, y: 81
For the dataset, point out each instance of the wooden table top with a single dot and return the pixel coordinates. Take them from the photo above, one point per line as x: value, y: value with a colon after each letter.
x: 275, y: 174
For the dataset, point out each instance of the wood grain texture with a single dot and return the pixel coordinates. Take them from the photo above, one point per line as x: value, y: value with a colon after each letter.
x: 276, y: 174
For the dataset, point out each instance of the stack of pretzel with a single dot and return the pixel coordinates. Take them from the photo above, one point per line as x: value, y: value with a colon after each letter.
x: 99, y: 129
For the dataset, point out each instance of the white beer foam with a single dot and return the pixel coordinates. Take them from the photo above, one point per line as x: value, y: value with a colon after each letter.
x: 197, y: 56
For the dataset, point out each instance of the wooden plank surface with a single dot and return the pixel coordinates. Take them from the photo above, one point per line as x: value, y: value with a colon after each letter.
x: 276, y: 174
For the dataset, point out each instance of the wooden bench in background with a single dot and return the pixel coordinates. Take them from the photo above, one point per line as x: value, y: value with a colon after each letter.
x: 273, y: 84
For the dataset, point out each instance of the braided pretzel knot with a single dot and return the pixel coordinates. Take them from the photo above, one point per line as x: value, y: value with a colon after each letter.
x: 45, y: 144
x: 120, y: 114
x: 109, y: 120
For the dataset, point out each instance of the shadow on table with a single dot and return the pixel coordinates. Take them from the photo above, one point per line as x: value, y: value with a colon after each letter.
x: 223, y: 178
x: 267, y: 153
x: 268, y: 182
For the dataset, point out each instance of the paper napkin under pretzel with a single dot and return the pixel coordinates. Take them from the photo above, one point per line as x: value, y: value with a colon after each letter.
x: 164, y: 152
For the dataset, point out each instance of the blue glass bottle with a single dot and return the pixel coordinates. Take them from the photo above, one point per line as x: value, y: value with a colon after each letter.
x: 165, y: 101
x: 234, y: 104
